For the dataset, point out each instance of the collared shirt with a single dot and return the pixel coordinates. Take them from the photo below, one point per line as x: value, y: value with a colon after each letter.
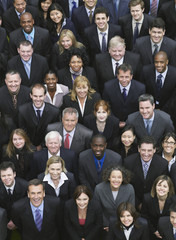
x: 41, y: 109
x: 11, y: 188
x: 100, y: 37
x: 144, y: 163
x: 127, y: 88
x: 158, y: 44
x: 49, y: 154
x: 71, y: 5
x: 63, y: 24
x: 88, y: 11
x: 174, y: 230
x: 140, y: 23
x: 82, y: 108
x: 128, y: 232
x: 27, y: 62
x: 163, y: 75
x: 19, y: 14
x: 29, y: 34
x: 170, y: 162
x: 151, y: 5
x: 33, y: 208
x: 71, y: 135
x: 149, y: 120
x: 120, y: 62
x: 101, y: 161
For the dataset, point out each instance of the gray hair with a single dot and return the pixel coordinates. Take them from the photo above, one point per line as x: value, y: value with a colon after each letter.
x: 53, y: 134
x: 70, y: 111
x: 146, y: 97
x: 116, y: 41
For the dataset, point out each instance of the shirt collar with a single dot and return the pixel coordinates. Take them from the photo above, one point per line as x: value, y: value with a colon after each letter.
x: 88, y: 10
x: 49, y: 154
x: 42, y: 107
x: 11, y: 188
x: 70, y: 133
x: 140, y: 22
x: 104, y: 31
x: 163, y: 74
x: 114, y: 61
x: 31, y: 33
x: 127, y: 87
x: 29, y: 61
x: 39, y: 207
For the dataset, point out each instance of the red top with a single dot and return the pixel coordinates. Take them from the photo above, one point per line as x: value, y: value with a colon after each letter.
x: 82, y: 221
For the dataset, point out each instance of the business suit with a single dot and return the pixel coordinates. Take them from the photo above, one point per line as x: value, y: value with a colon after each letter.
x: 4, y: 52
x: 81, y: 138
x: 158, y: 166
x: 168, y: 45
x: 103, y: 194
x: 65, y: 5
x: 173, y: 174
x: 93, y: 224
x: 120, y: 108
x: 147, y: 5
x: 166, y: 228
x: 9, y: 3
x: 39, y: 67
x: 3, y: 224
x: 87, y: 169
x: 149, y: 79
x: 29, y: 122
x: 104, y: 68
x: 41, y: 44
x: 127, y: 30
x: 160, y: 117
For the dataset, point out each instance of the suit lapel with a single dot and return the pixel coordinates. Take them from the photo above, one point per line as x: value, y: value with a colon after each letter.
x: 96, y: 39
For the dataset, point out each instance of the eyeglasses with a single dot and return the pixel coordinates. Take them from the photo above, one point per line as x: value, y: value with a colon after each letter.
x: 169, y: 143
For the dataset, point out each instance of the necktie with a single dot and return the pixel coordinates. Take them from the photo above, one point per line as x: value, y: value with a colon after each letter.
x: 158, y: 85
x: 175, y: 236
x: 104, y: 47
x: 14, y: 100
x: 124, y: 94
x: 116, y: 6
x: 90, y: 16
x: 38, y: 219
x: 117, y: 64
x: 136, y: 33
x: 10, y: 196
x: 38, y: 115
x: 9, y: 192
x: 67, y: 141
x: 29, y: 38
x: 145, y: 169
x: 155, y: 50
x: 148, y: 128
x: 27, y: 68
x: 4, y: 4
x: 74, y: 6
x: 99, y: 167
x: 153, y: 10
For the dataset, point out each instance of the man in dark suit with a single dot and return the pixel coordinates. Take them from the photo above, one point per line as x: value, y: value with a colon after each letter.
x: 145, y: 166
x: 35, y: 116
x: 92, y: 162
x: 159, y: 79
x: 38, y: 216
x: 147, y: 120
x: 68, y: 6
x: 13, y: 95
x: 122, y: 93
x: 148, y: 6
x: 107, y: 63
x: 136, y: 24
x: 98, y: 35
x: 39, y: 37
x: 11, y: 18
x: 31, y: 66
x: 3, y: 224
x: 4, y: 52
x: 148, y: 46
x: 74, y: 135
x: 4, y: 5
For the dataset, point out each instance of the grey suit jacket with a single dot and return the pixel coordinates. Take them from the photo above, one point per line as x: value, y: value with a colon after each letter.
x: 3, y: 224
x: 103, y: 194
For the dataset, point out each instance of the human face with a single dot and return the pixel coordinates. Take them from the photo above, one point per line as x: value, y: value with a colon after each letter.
x: 76, y: 63
x: 82, y: 91
x: 20, y: 5
x: 156, y: 34
x: 66, y: 42
x: 117, y: 52
x: 27, y: 22
x: 53, y: 145
x: 82, y: 201
x: 161, y: 63
x: 146, y: 109
x: 25, y: 52
x: 13, y: 82
x: 127, y: 138
x: 18, y: 141
x: 101, y: 21
x: 136, y: 12
x: 126, y: 218
x: 55, y: 170
x: 146, y: 151
x: 173, y: 219
x: 101, y: 114
x: 115, y: 180
x: 51, y: 81
x: 69, y: 121
x: 90, y: 3
x: 169, y: 145
x: 8, y: 177
x: 38, y: 96
x: 56, y: 16
x: 162, y: 188
x: 98, y: 146
x: 124, y: 77
x: 45, y: 5
x: 36, y: 195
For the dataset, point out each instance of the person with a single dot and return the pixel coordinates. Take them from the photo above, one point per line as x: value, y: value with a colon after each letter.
x: 159, y: 79
x: 4, y: 53
x: 156, y: 203
x: 66, y: 42
x: 145, y: 122
x: 3, y: 221
x: 43, y: 214
x: 83, y: 216
x: 31, y: 66
x: 136, y: 24
x: 128, y: 226
x: 152, y: 9
x: 74, y: 135
x: 54, y: 91
x: 94, y: 161
x: 77, y: 61
x: 68, y: 8
x: 123, y: 92
x: 56, y: 22
x: 35, y: 116
x: 19, y: 152
x: 102, y: 122
x: 156, y: 41
x: 43, y: 6
x: 146, y: 166
x: 82, y: 97
x: 5, y: 6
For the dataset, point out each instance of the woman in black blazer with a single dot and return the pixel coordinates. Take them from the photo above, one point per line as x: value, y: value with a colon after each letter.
x: 43, y: 6
x: 83, y: 217
x: 128, y: 226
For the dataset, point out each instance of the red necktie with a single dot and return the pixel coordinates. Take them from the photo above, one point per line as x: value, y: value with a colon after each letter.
x: 67, y: 142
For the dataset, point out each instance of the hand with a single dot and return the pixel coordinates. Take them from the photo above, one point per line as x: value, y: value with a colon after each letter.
x: 11, y: 225
x: 106, y: 229
x: 157, y: 234
x: 122, y: 124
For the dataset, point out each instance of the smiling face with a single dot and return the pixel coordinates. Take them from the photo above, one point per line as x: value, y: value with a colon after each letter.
x: 101, y: 21
x: 162, y: 188
x: 101, y: 114
x: 27, y: 22
x: 20, y: 5
x: 136, y: 12
x: 76, y: 63
x: 90, y: 3
x: 124, y: 77
x: 13, y: 82
x: 169, y: 146
x: 117, y: 52
x: 161, y: 63
x: 82, y: 201
x: 127, y: 138
x: 53, y: 145
x: 173, y: 219
x: 51, y: 81
x: 156, y: 34
x: 146, y: 151
x: 8, y: 177
x: 66, y: 42
x: 82, y: 90
x: 45, y: 5
x: 146, y: 109
x: 126, y: 218
x: 25, y: 52
x: 56, y: 16
x: 98, y: 146
x: 115, y: 180
x: 55, y: 170
x: 36, y: 194
x: 38, y: 95
x: 18, y: 141
x: 69, y: 121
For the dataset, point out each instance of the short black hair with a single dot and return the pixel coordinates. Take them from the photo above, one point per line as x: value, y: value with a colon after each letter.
x: 36, y: 182
x: 98, y: 136
x: 148, y: 140
x: 125, y: 67
x: 101, y: 10
x: 7, y: 164
x: 157, y: 23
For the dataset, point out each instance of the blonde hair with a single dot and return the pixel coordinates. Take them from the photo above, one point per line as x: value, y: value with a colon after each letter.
x: 116, y: 42
x: 55, y: 159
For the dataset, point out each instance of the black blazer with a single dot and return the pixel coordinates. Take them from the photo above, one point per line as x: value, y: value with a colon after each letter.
x: 65, y: 5
x: 147, y: 5
x: 165, y: 228
x: 4, y: 49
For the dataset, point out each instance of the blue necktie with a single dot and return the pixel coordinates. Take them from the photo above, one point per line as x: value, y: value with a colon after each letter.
x: 136, y: 33
x: 74, y: 6
x: 38, y: 114
x: 38, y: 219
x: 158, y: 85
x: 148, y: 128
x: 27, y: 68
x: 104, y: 46
x: 145, y: 169
x: 99, y: 167
x: 124, y: 94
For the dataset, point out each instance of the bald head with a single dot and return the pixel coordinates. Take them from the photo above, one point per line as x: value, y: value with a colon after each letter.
x: 27, y: 22
x: 161, y: 61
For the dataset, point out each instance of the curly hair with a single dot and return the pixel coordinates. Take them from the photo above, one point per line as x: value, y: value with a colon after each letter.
x: 80, y: 53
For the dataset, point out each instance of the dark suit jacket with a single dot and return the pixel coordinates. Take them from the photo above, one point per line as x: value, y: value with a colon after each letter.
x: 87, y: 170
x: 39, y: 68
x: 165, y: 228
x: 29, y: 122
x: 158, y: 166
x: 23, y: 218
x: 9, y: 4
x: 147, y: 5
x: 41, y: 45
x: 120, y: 108
x: 81, y: 138
x: 168, y: 45
x: 149, y: 78
x: 93, y: 225
x: 4, y: 52
x: 173, y: 174
x: 65, y: 5
x: 3, y: 225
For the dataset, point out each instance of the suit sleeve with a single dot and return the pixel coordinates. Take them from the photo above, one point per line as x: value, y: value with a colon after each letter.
x: 82, y: 175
